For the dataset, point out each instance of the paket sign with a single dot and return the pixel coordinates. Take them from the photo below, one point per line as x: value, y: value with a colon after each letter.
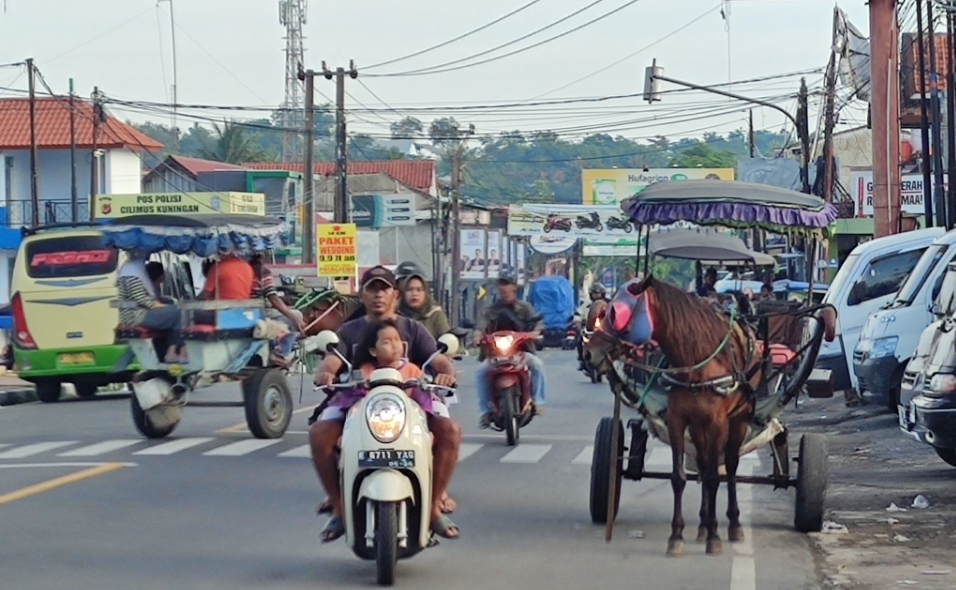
x: 337, y: 251
x: 113, y: 206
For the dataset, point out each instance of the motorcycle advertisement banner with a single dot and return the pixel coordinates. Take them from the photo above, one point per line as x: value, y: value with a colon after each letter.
x: 574, y: 221
x: 612, y: 186
x: 494, y: 254
x: 551, y: 244
x: 472, y: 263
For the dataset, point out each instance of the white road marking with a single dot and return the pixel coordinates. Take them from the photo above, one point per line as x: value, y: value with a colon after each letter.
x: 547, y: 437
x: 302, y: 452
x: 526, y: 454
x: 102, y: 448
x: 743, y: 572
x: 243, y: 447
x: 173, y: 446
x: 34, y: 449
x: 585, y: 456
x: 466, y: 450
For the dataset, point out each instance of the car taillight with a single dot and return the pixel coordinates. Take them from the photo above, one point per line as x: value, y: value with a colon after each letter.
x: 21, y: 333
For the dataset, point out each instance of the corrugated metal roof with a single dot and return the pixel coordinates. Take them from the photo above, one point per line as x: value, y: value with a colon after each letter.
x: 416, y: 174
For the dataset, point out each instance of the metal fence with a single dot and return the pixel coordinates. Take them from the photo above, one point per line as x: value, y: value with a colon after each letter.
x: 20, y: 213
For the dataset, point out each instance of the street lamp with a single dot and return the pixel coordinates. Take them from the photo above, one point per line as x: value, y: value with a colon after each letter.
x: 654, y: 76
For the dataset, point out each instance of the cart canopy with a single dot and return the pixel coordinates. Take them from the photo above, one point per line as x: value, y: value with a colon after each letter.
x: 202, y: 235
x: 705, y: 246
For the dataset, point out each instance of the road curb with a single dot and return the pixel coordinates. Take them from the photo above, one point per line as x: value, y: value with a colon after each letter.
x: 18, y: 396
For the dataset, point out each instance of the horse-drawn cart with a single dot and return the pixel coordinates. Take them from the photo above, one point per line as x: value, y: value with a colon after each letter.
x: 685, y: 366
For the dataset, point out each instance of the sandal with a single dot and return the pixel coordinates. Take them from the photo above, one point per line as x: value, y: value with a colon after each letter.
x: 443, y: 527
x: 448, y: 505
x: 334, y: 529
x: 324, y: 508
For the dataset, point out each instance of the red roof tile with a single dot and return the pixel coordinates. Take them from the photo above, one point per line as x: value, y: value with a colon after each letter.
x: 909, y: 65
x: 416, y: 174
x: 195, y: 166
x: 53, y: 127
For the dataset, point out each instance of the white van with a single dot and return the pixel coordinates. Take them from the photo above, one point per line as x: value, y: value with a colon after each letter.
x: 868, y: 280
x: 890, y: 335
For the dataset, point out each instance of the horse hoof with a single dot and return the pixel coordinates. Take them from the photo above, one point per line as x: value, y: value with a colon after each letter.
x: 714, y: 547
x: 675, y: 548
x: 735, y: 534
x: 701, y: 534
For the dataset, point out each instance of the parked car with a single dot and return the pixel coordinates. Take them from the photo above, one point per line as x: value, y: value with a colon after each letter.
x: 868, y: 280
x: 927, y: 410
x: 890, y: 335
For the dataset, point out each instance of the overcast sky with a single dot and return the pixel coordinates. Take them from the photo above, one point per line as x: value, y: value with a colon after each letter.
x: 231, y: 52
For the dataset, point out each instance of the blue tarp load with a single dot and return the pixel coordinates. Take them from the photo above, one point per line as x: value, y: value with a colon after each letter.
x: 553, y: 298
x: 202, y: 235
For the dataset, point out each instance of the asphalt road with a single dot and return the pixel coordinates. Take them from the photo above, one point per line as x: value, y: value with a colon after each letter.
x: 85, y: 502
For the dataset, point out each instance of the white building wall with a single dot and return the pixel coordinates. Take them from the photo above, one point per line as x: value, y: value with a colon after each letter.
x: 124, y: 173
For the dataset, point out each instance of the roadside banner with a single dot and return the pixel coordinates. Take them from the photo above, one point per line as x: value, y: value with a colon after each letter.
x: 337, y: 251
x: 521, y: 260
x: 612, y: 186
x: 369, y: 248
x: 550, y: 244
x: 622, y: 248
x: 113, y: 206
x: 383, y: 210
x: 494, y: 254
x: 911, y: 189
x: 472, y: 263
x: 574, y: 221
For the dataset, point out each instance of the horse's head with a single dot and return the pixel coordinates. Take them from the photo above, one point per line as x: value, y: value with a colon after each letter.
x: 628, y: 316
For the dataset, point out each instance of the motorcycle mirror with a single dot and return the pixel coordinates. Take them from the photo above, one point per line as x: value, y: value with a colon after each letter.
x: 448, y: 344
x: 324, y: 342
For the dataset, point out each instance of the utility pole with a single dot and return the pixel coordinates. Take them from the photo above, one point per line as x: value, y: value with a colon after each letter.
x: 924, y: 118
x: 94, y: 161
x: 341, y: 206
x: 308, y: 178
x: 34, y: 193
x: 884, y: 68
x: 751, y: 139
x: 456, y: 223
x: 950, y: 115
x: 938, y: 191
x: 803, y: 130
x: 74, y: 199
x: 829, y: 120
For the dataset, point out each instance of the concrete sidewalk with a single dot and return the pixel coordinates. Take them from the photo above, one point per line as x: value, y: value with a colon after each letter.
x: 14, y: 390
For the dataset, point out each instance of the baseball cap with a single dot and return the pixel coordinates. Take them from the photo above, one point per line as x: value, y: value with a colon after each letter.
x: 507, y: 279
x: 379, y: 273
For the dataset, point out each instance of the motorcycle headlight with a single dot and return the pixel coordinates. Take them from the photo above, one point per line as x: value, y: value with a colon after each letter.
x: 884, y: 347
x: 385, y: 415
x: 503, y: 344
x: 942, y: 383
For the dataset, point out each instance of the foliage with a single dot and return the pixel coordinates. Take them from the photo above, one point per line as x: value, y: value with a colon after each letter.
x: 232, y: 145
x: 407, y: 128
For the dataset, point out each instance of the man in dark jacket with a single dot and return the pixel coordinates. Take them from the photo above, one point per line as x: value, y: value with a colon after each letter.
x: 508, y: 313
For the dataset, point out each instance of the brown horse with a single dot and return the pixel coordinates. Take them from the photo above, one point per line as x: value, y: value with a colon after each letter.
x: 689, y: 331
x: 329, y: 312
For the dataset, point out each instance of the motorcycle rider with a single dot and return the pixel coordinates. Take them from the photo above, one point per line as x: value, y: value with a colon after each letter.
x: 599, y: 301
x: 379, y: 293
x: 508, y: 313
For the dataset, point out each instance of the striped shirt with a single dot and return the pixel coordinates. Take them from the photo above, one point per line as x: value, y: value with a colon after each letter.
x: 133, y: 289
x: 263, y: 284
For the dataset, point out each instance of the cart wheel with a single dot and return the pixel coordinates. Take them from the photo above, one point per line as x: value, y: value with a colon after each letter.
x: 812, y: 480
x: 605, y: 451
x: 268, y: 403
x: 86, y: 390
x: 386, y: 541
x: 143, y: 424
x: 948, y: 455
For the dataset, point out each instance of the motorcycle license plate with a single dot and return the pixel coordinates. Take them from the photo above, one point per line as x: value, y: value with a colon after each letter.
x: 387, y: 458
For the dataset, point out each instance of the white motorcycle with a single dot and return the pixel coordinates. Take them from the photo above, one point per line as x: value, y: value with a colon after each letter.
x: 385, y: 463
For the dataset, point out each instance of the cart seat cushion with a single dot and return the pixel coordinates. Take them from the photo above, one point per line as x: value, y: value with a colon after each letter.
x: 135, y: 332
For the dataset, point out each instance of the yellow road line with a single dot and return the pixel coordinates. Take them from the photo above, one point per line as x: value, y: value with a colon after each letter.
x: 59, y: 482
x: 242, y: 426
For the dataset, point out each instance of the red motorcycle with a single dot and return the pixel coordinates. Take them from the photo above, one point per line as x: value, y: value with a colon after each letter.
x: 555, y: 221
x: 511, y: 405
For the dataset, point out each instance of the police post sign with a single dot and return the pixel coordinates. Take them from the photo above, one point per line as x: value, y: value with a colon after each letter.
x: 338, y: 250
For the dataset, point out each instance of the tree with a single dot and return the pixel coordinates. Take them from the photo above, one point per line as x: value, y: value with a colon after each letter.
x: 407, y: 128
x: 232, y: 145
x: 704, y: 156
x: 446, y: 130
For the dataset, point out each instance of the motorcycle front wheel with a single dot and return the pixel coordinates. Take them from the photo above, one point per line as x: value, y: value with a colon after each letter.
x: 386, y: 541
x: 547, y: 229
x: 628, y: 228
x: 510, y: 413
x: 600, y: 227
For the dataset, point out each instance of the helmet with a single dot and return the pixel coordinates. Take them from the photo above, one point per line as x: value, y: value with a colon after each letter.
x: 597, y: 290
x: 407, y: 270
